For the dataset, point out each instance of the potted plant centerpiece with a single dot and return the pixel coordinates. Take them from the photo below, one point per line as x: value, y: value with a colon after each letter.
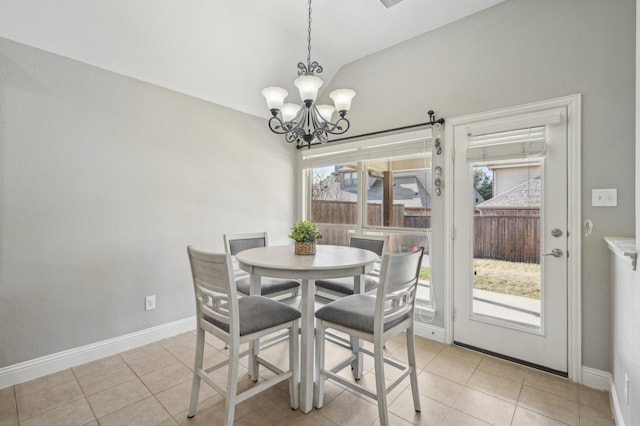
x: 305, y: 234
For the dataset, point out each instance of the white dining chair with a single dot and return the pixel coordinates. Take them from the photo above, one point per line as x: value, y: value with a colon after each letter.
x: 235, y: 321
x: 374, y: 319
x: 337, y: 288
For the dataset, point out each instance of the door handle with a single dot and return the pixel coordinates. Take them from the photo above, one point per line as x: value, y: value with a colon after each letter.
x: 554, y: 253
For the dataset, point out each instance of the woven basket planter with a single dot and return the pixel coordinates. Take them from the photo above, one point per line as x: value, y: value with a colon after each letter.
x: 305, y: 247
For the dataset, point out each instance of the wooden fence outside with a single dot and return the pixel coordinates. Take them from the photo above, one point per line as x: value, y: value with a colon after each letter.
x: 513, y: 238
x: 510, y: 238
x: 345, y: 212
x: 342, y: 212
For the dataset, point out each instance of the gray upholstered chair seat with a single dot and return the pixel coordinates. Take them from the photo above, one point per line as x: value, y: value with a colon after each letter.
x: 345, y: 285
x: 356, y: 311
x: 258, y: 313
x: 268, y: 285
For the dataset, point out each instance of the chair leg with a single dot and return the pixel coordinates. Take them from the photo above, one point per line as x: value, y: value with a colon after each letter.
x: 411, y: 356
x: 381, y: 387
x: 232, y: 384
x: 318, y: 394
x: 254, y: 366
x: 357, y: 365
x: 197, y: 366
x: 294, y: 365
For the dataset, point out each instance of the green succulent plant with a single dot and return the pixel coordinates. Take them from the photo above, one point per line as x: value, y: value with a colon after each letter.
x: 305, y: 231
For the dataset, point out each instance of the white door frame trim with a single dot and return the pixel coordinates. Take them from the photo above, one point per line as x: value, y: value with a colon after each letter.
x: 574, y: 312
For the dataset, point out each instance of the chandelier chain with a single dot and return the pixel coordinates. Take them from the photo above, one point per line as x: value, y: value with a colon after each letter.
x: 309, y: 38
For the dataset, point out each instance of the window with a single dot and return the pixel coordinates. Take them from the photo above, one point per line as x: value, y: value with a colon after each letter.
x: 350, y: 180
x: 375, y: 186
x: 398, y: 192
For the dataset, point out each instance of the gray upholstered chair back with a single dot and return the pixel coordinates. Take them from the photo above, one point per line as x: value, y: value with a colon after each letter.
x: 216, y: 297
x: 374, y: 243
x: 396, y: 294
x: 235, y: 243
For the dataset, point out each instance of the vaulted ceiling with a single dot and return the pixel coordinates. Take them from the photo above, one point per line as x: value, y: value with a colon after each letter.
x: 224, y: 52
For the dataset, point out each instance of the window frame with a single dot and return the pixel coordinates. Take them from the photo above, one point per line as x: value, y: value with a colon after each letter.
x: 395, y: 146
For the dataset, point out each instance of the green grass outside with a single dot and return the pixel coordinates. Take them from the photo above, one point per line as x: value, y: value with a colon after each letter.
x: 425, y: 273
x: 513, y: 278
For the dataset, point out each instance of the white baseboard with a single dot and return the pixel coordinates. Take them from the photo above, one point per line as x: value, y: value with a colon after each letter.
x: 615, y: 405
x: 429, y: 331
x: 603, y: 380
x: 49, y: 364
x: 596, y: 379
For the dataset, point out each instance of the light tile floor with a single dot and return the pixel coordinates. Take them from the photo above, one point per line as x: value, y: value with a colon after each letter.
x: 151, y: 385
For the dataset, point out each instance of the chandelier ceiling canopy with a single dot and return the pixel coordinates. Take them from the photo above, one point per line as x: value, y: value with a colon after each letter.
x: 308, y: 123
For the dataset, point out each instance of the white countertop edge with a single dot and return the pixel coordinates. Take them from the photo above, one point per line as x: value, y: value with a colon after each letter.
x: 624, y: 247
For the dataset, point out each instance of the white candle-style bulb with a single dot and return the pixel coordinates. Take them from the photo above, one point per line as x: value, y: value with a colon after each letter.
x: 342, y: 99
x: 308, y: 86
x: 274, y: 96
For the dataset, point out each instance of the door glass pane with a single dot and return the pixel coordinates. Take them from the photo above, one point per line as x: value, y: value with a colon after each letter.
x: 506, y: 225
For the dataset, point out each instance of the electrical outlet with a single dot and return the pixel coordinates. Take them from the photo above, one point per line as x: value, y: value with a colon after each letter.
x: 150, y: 303
x: 626, y: 389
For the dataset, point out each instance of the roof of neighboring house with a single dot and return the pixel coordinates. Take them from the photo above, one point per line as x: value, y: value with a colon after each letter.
x: 331, y: 190
x: 477, y: 198
x: 407, y: 190
x: 525, y: 195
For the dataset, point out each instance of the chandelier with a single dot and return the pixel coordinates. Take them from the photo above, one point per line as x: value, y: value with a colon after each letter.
x: 310, y: 122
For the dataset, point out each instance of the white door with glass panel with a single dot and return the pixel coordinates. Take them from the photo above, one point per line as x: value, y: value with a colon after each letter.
x: 510, y: 237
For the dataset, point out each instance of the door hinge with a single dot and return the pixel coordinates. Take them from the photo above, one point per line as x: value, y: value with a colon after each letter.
x: 453, y: 313
x: 453, y: 153
x: 453, y: 233
x: 567, y: 254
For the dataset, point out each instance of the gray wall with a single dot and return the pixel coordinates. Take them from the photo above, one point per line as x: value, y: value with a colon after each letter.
x: 104, y: 181
x: 517, y: 52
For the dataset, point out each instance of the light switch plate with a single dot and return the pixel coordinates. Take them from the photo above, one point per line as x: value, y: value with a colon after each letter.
x: 604, y: 197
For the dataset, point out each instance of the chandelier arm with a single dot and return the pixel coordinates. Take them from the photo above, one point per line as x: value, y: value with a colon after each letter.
x: 276, y: 125
x: 297, y: 130
x: 320, y: 125
x: 337, y: 128
x: 341, y: 126
x: 291, y: 137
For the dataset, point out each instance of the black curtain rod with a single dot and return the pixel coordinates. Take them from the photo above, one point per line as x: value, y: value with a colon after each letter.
x: 432, y: 121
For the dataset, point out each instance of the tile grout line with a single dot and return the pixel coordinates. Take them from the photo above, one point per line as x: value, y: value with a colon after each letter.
x: 43, y: 390
x: 85, y: 396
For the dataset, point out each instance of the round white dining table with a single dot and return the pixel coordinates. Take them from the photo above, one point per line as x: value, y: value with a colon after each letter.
x: 328, y: 262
